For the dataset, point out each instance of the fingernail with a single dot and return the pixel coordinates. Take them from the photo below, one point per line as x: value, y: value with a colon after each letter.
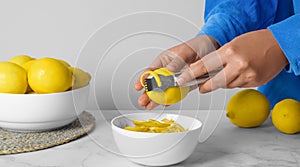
x: 171, y: 67
x: 180, y: 81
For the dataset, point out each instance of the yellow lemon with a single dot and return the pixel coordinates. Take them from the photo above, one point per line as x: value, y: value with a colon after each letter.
x: 64, y: 62
x: 21, y: 59
x: 80, y: 78
x: 48, y: 75
x: 26, y: 66
x: 286, y: 116
x: 248, y: 108
x: 13, y: 78
x: 169, y: 96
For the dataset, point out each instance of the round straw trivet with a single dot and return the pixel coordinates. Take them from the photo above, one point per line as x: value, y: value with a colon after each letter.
x: 18, y: 142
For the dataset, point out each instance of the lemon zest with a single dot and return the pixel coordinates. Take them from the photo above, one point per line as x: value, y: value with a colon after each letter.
x: 154, y: 74
x: 155, y: 126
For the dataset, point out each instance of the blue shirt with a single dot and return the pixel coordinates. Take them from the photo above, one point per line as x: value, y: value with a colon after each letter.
x: 226, y: 19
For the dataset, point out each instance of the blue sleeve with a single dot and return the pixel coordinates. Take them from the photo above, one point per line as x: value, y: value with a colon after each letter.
x: 287, y: 34
x: 226, y: 19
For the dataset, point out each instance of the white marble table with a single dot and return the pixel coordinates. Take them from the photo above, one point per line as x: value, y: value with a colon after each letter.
x: 228, y: 146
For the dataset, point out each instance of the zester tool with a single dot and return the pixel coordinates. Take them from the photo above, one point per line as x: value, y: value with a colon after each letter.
x: 171, y: 81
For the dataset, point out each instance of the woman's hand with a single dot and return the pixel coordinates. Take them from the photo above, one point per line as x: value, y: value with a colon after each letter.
x: 249, y: 60
x: 177, y: 58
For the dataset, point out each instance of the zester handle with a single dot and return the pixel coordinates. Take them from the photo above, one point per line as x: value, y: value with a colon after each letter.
x: 198, y: 80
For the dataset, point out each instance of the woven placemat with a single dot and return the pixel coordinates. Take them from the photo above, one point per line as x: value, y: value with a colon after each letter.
x: 19, y: 142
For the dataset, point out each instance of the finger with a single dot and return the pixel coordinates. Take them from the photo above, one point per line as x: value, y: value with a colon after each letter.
x: 203, y: 45
x: 207, y: 64
x: 151, y: 105
x: 179, y: 56
x: 160, y: 61
x: 138, y: 86
x: 212, y: 61
x: 220, y: 80
x: 143, y: 100
x: 164, y: 58
x: 248, y: 85
x: 176, y: 64
x: 237, y: 83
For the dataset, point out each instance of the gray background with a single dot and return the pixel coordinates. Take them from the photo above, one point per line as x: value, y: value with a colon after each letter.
x: 113, y: 40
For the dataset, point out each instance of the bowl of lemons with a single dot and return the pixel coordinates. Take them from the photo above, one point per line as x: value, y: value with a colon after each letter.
x: 156, y: 139
x: 41, y: 94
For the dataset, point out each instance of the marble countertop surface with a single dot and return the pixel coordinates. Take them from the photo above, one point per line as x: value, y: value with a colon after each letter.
x: 227, y: 146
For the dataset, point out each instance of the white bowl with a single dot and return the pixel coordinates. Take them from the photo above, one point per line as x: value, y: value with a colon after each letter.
x: 156, y: 149
x: 41, y: 112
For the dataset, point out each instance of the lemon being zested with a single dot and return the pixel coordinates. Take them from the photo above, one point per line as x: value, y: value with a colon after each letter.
x: 13, y: 78
x: 169, y: 96
x: 248, y: 108
x: 48, y: 75
x: 286, y: 116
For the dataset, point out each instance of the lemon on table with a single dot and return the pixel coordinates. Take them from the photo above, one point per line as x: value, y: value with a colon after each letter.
x: 13, y: 78
x: 169, y: 96
x: 80, y: 78
x: 248, y: 108
x: 21, y: 59
x: 48, y: 75
x: 286, y: 116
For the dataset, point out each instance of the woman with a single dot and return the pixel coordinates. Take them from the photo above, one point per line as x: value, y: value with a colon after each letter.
x: 256, y: 42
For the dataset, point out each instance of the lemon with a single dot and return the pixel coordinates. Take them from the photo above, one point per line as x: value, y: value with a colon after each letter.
x: 80, y: 78
x: 48, y: 75
x: 26, y: 66
x: 64, y: 62
x: 286, y: 116
x: 169, y: 96
x: 248, y: 108
x: 13, y: 78
x: 21, y: 59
